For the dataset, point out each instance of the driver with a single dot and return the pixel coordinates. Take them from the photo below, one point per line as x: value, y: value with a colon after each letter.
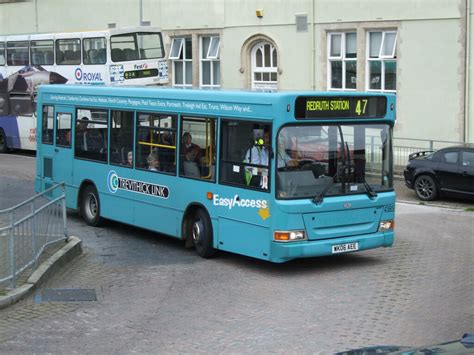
x: 284, y: 160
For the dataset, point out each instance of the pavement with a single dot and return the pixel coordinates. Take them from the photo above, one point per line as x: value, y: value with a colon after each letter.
x: 53, y: 259
x: 59, y: 255
x: 406, y: 195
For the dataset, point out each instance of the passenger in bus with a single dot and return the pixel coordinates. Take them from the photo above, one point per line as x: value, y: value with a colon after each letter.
x: 167, y: 155
x: 89, y: 139
x: 130, y: 158
x: 258, y: 154
x: 81, y: 133
x: 190, y: 166
x: 188, y: 143
x: 153, y: 161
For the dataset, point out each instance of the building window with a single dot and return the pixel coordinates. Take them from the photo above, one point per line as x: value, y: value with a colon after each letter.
x: 182, y: 59
x: 264, y: 66
x: 210, y: 62
x: 382, y: 61
x: 342, y: 61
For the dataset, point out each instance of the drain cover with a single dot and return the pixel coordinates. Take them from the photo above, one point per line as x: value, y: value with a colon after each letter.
x: 66, y: 295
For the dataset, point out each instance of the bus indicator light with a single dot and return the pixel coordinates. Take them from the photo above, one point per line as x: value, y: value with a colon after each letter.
x: 210, y: 195
x: 289, y: 236
x: 386, y: 226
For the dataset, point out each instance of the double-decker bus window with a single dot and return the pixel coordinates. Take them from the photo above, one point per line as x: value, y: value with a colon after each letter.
x: 245, y: 154
x: 149, y: 45
x: 198, y: 148
x: 63, y: 129
x: 94, y: 51
x: 2, y: 53
x: 68, y: 51
x: 123, y: 48
x: 47, y: 125
x: 156, y: 142
x: 121, y: 138
x: 17, y: 53
x: 91, y: 134
x: 42, y: 52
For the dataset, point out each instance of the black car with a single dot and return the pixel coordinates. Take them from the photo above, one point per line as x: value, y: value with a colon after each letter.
x: 463, y: 346
x: 448, y: 171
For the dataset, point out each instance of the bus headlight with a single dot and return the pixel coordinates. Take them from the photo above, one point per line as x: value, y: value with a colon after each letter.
x: 289, y: 236
x: 386, y: 225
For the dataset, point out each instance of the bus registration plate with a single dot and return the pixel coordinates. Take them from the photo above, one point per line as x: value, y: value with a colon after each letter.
x: 343, y: 248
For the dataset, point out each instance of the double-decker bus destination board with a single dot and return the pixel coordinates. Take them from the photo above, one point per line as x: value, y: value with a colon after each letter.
x: 329, y: 107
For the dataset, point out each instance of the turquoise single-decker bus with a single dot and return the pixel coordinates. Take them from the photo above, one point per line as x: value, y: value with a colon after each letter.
x: 271, y: 175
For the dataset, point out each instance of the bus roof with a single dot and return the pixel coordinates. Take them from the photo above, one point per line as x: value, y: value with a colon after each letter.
x: 86, y: 33
x: 260, y: 104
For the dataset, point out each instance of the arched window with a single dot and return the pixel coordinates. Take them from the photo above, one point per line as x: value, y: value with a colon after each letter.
x: 264, y: 66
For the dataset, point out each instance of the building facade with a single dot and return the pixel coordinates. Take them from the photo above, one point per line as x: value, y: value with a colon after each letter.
x: 421, y: 50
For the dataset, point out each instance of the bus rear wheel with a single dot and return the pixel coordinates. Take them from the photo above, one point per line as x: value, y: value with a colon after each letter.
x: 90, y: 206
x: 200, y: 232
x: 3, y: 142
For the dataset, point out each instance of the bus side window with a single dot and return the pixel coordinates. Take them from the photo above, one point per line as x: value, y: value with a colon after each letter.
x: 245, y: 154
x: 121, y: 137
x: 156, y: 142
x: 63, y: 129
x: 198, y: 148
x: 91, y: 134
x: 47, y: 125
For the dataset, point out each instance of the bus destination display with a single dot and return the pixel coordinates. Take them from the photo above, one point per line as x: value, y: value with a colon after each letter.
x: 329, y: 107
x: 138, y: 74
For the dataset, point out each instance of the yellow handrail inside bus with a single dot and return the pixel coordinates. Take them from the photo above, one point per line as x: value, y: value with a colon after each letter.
x: 209, y: 155
x: 157, y: 145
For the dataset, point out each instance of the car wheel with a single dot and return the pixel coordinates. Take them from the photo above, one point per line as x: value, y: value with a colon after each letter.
x: 90, y: 206
x: 3, y: 142
x: 200, y: 231
x: 425, y: 188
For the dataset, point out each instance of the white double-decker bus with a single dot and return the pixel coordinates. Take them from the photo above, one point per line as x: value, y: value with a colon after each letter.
x: 119, y: 56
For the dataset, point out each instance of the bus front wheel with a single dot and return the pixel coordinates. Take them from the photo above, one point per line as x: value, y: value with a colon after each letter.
x: 200, y: 231
x: 3, y: 142
x: 90, y: 206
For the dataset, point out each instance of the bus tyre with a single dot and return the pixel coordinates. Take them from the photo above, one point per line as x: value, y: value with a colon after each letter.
x: 90, y: 206
x: 3, y: 142
x: 425, y: 188
x: 200, y: 231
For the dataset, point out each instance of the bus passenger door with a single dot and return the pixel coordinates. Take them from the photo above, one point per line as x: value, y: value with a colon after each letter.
x: 60, y: 164
x: 242, y: 200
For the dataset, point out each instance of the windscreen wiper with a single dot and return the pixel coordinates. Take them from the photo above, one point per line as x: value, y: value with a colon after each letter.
x: 319, y: 197
x: 370, y: 191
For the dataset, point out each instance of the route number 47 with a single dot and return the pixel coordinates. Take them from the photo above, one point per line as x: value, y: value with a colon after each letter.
x: 361, y: 106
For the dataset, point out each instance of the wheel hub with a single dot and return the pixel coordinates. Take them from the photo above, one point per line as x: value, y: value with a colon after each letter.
x: 92, y: 206
x: 197, y: 231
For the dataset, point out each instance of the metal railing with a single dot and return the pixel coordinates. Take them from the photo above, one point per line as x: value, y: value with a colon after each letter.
x: 403, y: 147
x: 28, y: 228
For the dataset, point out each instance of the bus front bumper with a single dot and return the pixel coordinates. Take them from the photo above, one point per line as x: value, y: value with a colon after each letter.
x: 281, y: 252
